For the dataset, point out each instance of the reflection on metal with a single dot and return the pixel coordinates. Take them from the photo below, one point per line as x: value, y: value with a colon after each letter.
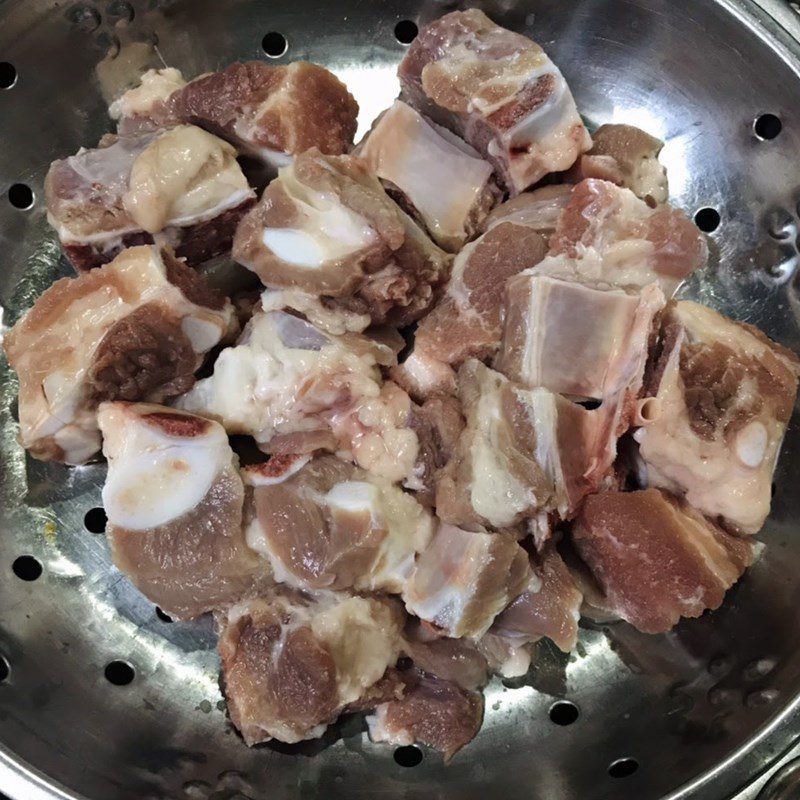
x: 701, y: 710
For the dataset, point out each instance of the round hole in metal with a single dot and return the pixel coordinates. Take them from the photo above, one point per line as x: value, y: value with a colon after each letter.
x: 623, y: 767
x: 8, y: 75
x: 20, y: 195
x: 95, y: 520
x: 707, y: 219
x: 5, y: 670
x: 120, y: 673
x: 274, y: 44
x: 767, y: 126
x: 406, y: 31
x: 564, y: 713
x: 408, y: 756
x: 27, y: 568
x: 162, y: 615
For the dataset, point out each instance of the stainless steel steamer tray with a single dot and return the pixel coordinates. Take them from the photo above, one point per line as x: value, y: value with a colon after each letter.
x: 702, y: 712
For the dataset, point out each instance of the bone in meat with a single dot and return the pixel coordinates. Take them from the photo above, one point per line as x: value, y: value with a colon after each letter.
x: 722, y: 397
x: 656, y: 558
x: 287, y: 377
x: 498, y: 90
x: 134, y: 329
x: 290, y: 664
x: 438, y: 178
x: 267, y: 112
x: 325, y: 524
x: 181, y: 187
x: 525, y: 453
x: 327, y: 227
x: 463, y: 579
x: 174, y: 498
x: 608, y: 237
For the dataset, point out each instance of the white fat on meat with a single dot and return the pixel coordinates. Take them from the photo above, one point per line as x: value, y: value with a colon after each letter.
x: 327, y: 228
x: 539, y: 209
x: 525, y: 454
x: 608, y: 237
x: 174, y: 502
x: 83, y: 338
x: 326, y: 524
x: 497, y: 89
x: 463, y: 579
x: 718, y: 405
x: 291, y: 663
x: 655, y: 558
x: 286, y: 376
x: 155, y: 86
x: 441, y: 177
x: 327, y: 316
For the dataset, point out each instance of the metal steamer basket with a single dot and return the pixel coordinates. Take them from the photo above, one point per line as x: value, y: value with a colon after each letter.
x: 102, y: 698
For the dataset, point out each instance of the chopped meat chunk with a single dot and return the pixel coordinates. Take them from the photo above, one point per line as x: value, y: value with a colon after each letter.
x: 463, y: 579
x: 549, y: 606
x: 135, y: 329
x: 327, y: 227
x: 435, y: 712
x: 721, y: 397
x: 540, y: 209
x: 174, y: 498
x: 436, y: 176
x: 575, y: 340
x: 290, y: 664
x: 321, y: 312
x: 498, y: 90
x: 524, y: 454
x: 325, y: 524
x: 269, y: 112
x: 468, y: 321
x: 607, y: 236
x: 181, y: 187
x: 656, y: 558
x: 627, y: 156
x: 287, y: 377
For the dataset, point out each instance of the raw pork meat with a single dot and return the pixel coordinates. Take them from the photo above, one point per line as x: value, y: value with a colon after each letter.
x: 656, y: 558
x: 134, y: 329
x: 498, y: 90
x: 174, y: 498
x: 435, y: 176
x: 463, y: 579
x: 181, y: 187
x: 325, y: 524
x: 287, y: 377
x: 540, y: 209
x: 721, y: 395
x: 265, y: 111
x: 327, y: 227
x: 290, y: 664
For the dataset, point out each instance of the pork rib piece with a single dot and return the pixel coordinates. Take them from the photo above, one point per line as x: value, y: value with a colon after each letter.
x: 608, y: 237
x: 540, y: 209
x: 286, y: 378
x: 498, y: 90
x: 174, y: 498
x: 525, y: 453
x: 463, y: 579
x: 626, y: 156
x: 438, y: 178
x: 181, y: 187
x: 290, y: 665
x: 438, y: 713
x: 325, y: 524
x: 549, y: 606
x: 575, y: 340
x: 134, y: 329
x: 656, y: 558
x: 723, y: 394
x: 269, y: 112
x: 468, y: 321
x: 327, y: 227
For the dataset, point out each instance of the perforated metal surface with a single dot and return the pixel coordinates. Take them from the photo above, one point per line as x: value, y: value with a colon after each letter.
x: 701, y: 711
